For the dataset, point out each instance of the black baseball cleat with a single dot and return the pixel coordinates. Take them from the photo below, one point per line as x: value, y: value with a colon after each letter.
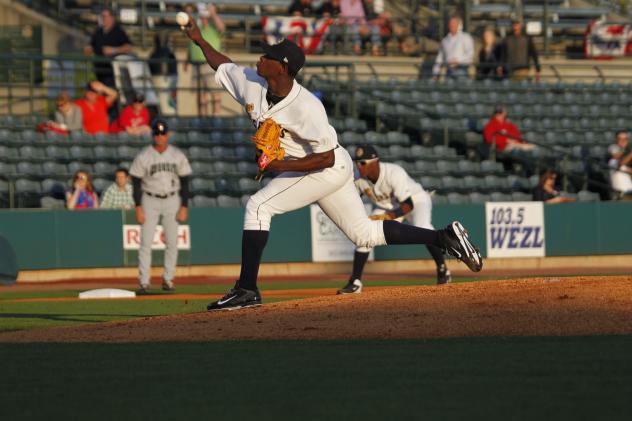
x: 455, y: 242
x: 143, y: 290
x: 236, y: 298
x: 168, y: 286
x: 443, y: 275
x: 353, y: 287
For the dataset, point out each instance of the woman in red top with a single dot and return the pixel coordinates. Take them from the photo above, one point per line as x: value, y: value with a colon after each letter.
x: 504, y: 133
x: 83, y: 195
x: 134, y: 118
x: 94, y: 107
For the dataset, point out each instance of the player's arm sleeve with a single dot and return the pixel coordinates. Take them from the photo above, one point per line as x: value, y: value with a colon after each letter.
x: 235, y: 78
x: 184, y: 191
x: 137, y: 191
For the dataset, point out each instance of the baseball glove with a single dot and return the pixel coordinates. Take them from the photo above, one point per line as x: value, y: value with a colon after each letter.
x: 381, y: 216
x: 267, y: 140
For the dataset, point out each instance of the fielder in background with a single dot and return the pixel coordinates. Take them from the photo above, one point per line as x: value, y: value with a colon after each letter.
x: 395, y: 196
x: 294, y: 138
x: 160, y: 178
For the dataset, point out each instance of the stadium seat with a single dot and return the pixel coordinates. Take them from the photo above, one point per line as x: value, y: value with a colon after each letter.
x: 54, y: 169
x: 29, y: 169
x: 451, y: 184
x: 225, y: 186
x: 248, y: 185
x: 430, y: 183
x: 243, y: 200
x: 32, y: 153
x: 458, y: 199
x: 247, y: 168
x: 197, y: 152
x: 101, y: 184
x: 127, y: 152
x: 500, y: 197
x: 105, y: 169
x: 439, y: 199
x: 425, y: 167
x: 75, y: 166
x: 81, y: 153
x: 202, y: 168
x: 105, y: 153
x: 199, y: 201
x: 222, y: 152
x: 202, y: 186
x: 57, y: 153
x: 472, y: 183
x: 47, y: 202
x: 224, y: 168
x: 476, y: 197
x: 225, y: 201
x: 520, y: 197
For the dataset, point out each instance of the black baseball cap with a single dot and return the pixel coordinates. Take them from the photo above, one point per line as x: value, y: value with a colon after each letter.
x: 138, y: 97
x: 287, y: 53
x: 159, y: 127
x: 365, y: 152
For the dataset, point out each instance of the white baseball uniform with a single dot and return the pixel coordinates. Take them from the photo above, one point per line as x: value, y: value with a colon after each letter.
x: 394, y: 186
x: 160, y: 174
x: 305, y: 130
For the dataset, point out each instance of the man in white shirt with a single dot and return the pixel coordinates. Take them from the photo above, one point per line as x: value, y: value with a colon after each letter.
x: 456, y: 52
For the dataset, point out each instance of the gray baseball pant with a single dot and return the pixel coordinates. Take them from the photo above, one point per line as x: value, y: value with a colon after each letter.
x: 154, y: 209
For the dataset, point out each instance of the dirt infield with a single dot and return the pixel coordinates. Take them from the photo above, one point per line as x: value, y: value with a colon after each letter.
x: 529, y: 307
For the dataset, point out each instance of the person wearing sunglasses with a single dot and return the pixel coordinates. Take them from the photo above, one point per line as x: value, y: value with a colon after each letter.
x: 315, y: 168
x: 394, y: 196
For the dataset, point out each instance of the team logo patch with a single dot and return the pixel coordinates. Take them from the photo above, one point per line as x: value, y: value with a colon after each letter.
x: 250, y: 108
x: 360, y: 153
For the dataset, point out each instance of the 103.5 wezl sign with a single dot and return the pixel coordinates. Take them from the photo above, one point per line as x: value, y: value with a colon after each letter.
x: 515, y: 229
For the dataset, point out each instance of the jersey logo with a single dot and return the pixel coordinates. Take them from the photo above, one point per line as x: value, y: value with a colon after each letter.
x: 250, y: 108
x: 283, y: 131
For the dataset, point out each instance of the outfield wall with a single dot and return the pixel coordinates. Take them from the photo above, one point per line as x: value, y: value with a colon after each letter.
x: 59, y: 239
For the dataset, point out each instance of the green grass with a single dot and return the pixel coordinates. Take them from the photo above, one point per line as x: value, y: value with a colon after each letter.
x: 486, y: 378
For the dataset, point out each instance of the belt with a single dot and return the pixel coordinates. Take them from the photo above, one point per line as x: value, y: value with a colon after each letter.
x: 160, y: 196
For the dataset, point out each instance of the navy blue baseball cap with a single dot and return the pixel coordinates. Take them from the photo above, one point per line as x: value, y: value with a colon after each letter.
x: 365, y: 152
x: 287, y: 53
x: 159, y: 127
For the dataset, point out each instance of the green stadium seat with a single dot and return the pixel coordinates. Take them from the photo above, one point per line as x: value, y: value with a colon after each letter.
x: 458, y: 199
x: 225, y: 201
x: 105, y: 169
x: 200, y: 201
x: 202, y: 186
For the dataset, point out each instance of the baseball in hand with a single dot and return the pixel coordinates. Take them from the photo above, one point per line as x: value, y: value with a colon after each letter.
x: 182, y: 19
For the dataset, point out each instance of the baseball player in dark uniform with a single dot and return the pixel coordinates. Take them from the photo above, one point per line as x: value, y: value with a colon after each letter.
x: 160, y: 177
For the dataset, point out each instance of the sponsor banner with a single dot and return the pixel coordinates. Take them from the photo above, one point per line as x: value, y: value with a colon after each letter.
x: 515, y: 229
x: 307, y: 33
x: 329, y: 244
x: 605, y: 39
x: 131, y: 238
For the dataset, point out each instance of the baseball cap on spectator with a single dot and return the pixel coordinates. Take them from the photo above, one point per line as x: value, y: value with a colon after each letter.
x: 499, y: 109
x: 138, y: 97
x: 287, y: 53
x: 365, y: 152
x: 89, y: 87
x: 159, y: 127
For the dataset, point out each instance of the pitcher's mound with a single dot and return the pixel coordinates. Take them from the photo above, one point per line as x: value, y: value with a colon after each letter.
x: 529, y: 307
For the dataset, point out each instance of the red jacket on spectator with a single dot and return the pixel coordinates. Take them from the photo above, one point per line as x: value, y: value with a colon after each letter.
x: 500, y: 128
x: 95, y: 116
x: 130, y: 118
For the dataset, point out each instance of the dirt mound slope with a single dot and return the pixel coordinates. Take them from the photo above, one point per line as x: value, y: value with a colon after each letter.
x: 528, y: 307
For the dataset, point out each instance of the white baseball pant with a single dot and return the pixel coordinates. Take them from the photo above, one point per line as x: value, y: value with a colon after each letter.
x: 334, y: 191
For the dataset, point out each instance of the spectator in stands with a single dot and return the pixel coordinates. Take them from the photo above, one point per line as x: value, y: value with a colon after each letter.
x: 620, y: 172
x: 67, y: 117
x: 212, y: 28
x: 489, y: 65
x: 353, y: 17
x: 335, y: 35
x: 108, y: 41
x: 503, y: 133
x: 134, y: 118
x: 456, y: 52
x: 164, y: 72
x: 518, y: 50
x: 301, y: 8
x: 97, y: 99
x: 545, y: 190
x: 82, y: 195
x: 119, y: 195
